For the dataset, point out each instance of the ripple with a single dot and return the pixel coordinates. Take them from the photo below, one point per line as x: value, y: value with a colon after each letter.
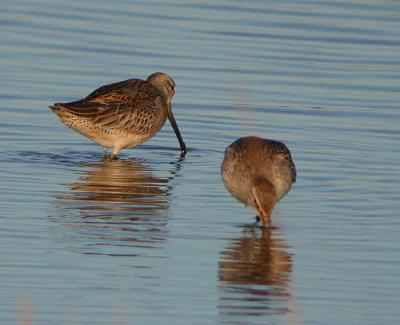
x: 88, y: 240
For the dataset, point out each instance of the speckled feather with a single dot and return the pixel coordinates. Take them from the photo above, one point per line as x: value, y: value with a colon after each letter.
x: 123, y: 114
x: 258, y: 172
x: 269, y: 149
x: 128, y: 105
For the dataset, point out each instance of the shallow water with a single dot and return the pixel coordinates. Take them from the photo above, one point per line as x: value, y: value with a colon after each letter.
x: 154, y: 238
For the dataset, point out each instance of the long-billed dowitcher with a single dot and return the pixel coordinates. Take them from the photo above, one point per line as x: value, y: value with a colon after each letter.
x: 123, y: 114
x: 258, y: 172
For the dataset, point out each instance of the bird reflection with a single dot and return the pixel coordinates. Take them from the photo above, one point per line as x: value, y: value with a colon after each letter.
x: 254, y: 274
x: 119, y: 182
x: 117, y: 204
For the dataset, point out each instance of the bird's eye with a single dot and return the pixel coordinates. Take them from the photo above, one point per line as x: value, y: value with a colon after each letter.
x: 173, y: 88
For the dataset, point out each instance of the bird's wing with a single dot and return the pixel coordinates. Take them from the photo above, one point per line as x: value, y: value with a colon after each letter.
x: 281, y: 149
x: 126, y: 105
x: 119, y: 92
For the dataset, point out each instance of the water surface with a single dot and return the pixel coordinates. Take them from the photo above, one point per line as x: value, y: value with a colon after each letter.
x: 154, y: 238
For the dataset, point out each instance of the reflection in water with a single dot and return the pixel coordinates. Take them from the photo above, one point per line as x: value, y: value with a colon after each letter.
x: 117, y: 205
x: 254, y: 272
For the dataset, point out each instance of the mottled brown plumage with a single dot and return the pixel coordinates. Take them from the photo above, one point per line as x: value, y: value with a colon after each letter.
x: 258, y: 172
x: 123, y: 114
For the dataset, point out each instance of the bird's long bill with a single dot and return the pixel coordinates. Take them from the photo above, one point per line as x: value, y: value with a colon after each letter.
x: 171, y: 119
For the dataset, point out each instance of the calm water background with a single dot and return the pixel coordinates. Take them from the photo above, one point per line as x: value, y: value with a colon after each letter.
x: 152, y: 238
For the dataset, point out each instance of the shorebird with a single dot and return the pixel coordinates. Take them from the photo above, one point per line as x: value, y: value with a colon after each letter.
x: 258, y: 173
x: 123, y: 114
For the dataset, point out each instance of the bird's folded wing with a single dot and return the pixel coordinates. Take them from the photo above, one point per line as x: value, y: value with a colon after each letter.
x: 120, y: 92
x: 127, y: 105
x: 119, y: 116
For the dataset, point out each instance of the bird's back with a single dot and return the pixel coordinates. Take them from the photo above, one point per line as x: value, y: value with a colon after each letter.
x: 122, y: 114
x: 252, y: 158
x: 132, y: 105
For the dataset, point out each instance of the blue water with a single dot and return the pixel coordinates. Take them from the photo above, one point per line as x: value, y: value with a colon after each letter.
x: 152, y: 238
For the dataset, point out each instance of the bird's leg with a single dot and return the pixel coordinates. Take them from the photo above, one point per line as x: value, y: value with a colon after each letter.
x: 257, y: 222
x: 115, y: 151
x: 266, y: 221
x: 105, y: 151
